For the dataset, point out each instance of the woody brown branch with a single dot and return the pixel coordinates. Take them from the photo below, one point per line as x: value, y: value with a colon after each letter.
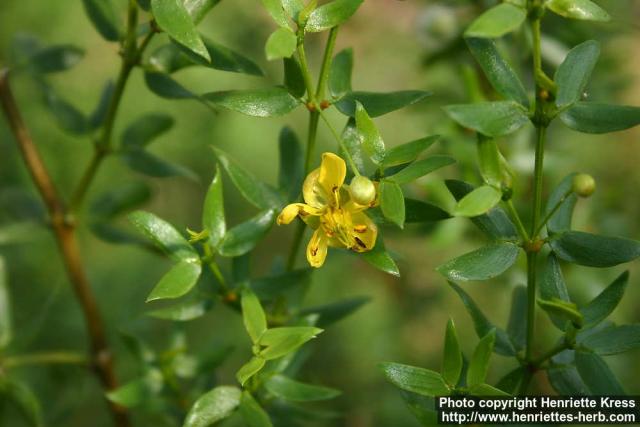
x: 65, y: 234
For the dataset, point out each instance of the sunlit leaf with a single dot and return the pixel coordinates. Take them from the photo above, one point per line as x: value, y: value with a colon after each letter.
x: 414, y: 379
x: 213, y: 406
x: 173, y: 17
x: 482, y: 264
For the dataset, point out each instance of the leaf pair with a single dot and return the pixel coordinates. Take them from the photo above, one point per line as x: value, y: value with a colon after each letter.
x: 429, y: 383
x: 268, y: 343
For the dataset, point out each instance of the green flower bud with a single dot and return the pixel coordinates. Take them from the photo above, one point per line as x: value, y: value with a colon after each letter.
x: 362, y: 190
x: 584, y: 185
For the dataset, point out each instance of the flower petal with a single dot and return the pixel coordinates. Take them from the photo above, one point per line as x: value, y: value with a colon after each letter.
x: 317, y: 249
x: 364, y: 232
x: 289, y: 213
x: 312, y: 192
x: 333, y: 171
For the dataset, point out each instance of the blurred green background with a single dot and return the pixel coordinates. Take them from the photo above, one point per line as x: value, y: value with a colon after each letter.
x: 398, y: 45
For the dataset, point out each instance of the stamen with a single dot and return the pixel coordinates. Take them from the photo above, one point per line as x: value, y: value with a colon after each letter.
x: 314, y: 251
x: 360, y: 243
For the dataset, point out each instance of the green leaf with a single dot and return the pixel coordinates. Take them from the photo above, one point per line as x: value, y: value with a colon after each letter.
x: 567, y: 311
x: 149, y: 164
x: 285, y: 388
x: 145, y: 129
x: 104, y: 18
x: 270, y: 288
x: 414, y: 379
x: 486, y: 390
x: 417, y: 211
x: 173, y: 57
x: 24, y: 400
x: 333, y: 312
x: 408, y: 152
x: 573, y: 74
x: 213, y: 406
x: 281, y: 44
x: 340, y: 73
x: 69, y: 118
x: 392, y: 202
x: 378, y: 104
x: 578, y: 9
x: 331, y: 14
x: 499, y: 73
x: 478, y: 202
x: 249, y: 369
x: 601, y: 306
x: 371, y: 139
x: 517, y: 325
x: 293, y: 8
x: 592, y: 117
x: 489, y: 160
x: 495, y: 223
x: 255, y: 321
x: 483, y: 326
x: 564, y: 376
x: 479, y: 364
x: 164, y: 235
x: 256, y: 192
x: 138, y: 391
x: 497, y: 21
x: 380, y: 259
x: 274, y: 7
x: 54, y: 59
x: 182, y: 312
x: 269, y: 102
x: 553, y: 287
x: 489, y: 118
x: 452, y: 356
x: 482, y: 264
x: 198, y: 9
x: 97, y: 117
x: 594, y: 251
x: 213, y: 219
x: 613, y: 340
x: 561, y: 220
x: 420, y: 168
x: 596, y: 375
x: 252, y: 412
x: 177, y: 282
x: 244, y: 237
x: 291, y: 163
x: 512, y: 380
x: 173, y: 17
x: 6, y: 329
x: 165, y: 87
x: 293, y: 78
x: 283, y: 340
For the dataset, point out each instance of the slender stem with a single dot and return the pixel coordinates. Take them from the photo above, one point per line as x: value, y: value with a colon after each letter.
x: 326, y: 63
x: 537, y: 183
x: 552, y: 212
x: 562, y: 346
x: 314, y: 117
x: 306, y: 75
x: 352, y: 164
x: 65, y: 234
x: 516, y: 218
x: 102, y: 146
x: 50, y: 358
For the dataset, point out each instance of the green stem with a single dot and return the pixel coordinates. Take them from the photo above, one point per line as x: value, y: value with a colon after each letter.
x: 326, y: 63
x: 306, y: 75
x: 50, y: 358
x: 562, y: 346
x: 352, y: 164
x: 537, y: 183
x: 213, y: 266
x: 552, y: 212
x: 516, y: 218
x: 102, y: 147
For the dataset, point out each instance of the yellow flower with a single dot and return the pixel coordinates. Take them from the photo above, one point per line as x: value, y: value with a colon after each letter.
x: 338, y: 221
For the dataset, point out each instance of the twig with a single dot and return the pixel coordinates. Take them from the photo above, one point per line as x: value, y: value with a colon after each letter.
x: 65, y: 233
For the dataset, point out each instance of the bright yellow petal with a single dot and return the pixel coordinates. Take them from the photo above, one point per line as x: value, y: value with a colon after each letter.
x: 317, y: 249
x: 364, y: 232
x: 312, y: 192
x: 333, y: 170
x: 289, y: 213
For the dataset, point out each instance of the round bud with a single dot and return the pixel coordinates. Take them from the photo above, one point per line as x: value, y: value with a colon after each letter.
x: 362, y: 190
x: 584, y: 185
